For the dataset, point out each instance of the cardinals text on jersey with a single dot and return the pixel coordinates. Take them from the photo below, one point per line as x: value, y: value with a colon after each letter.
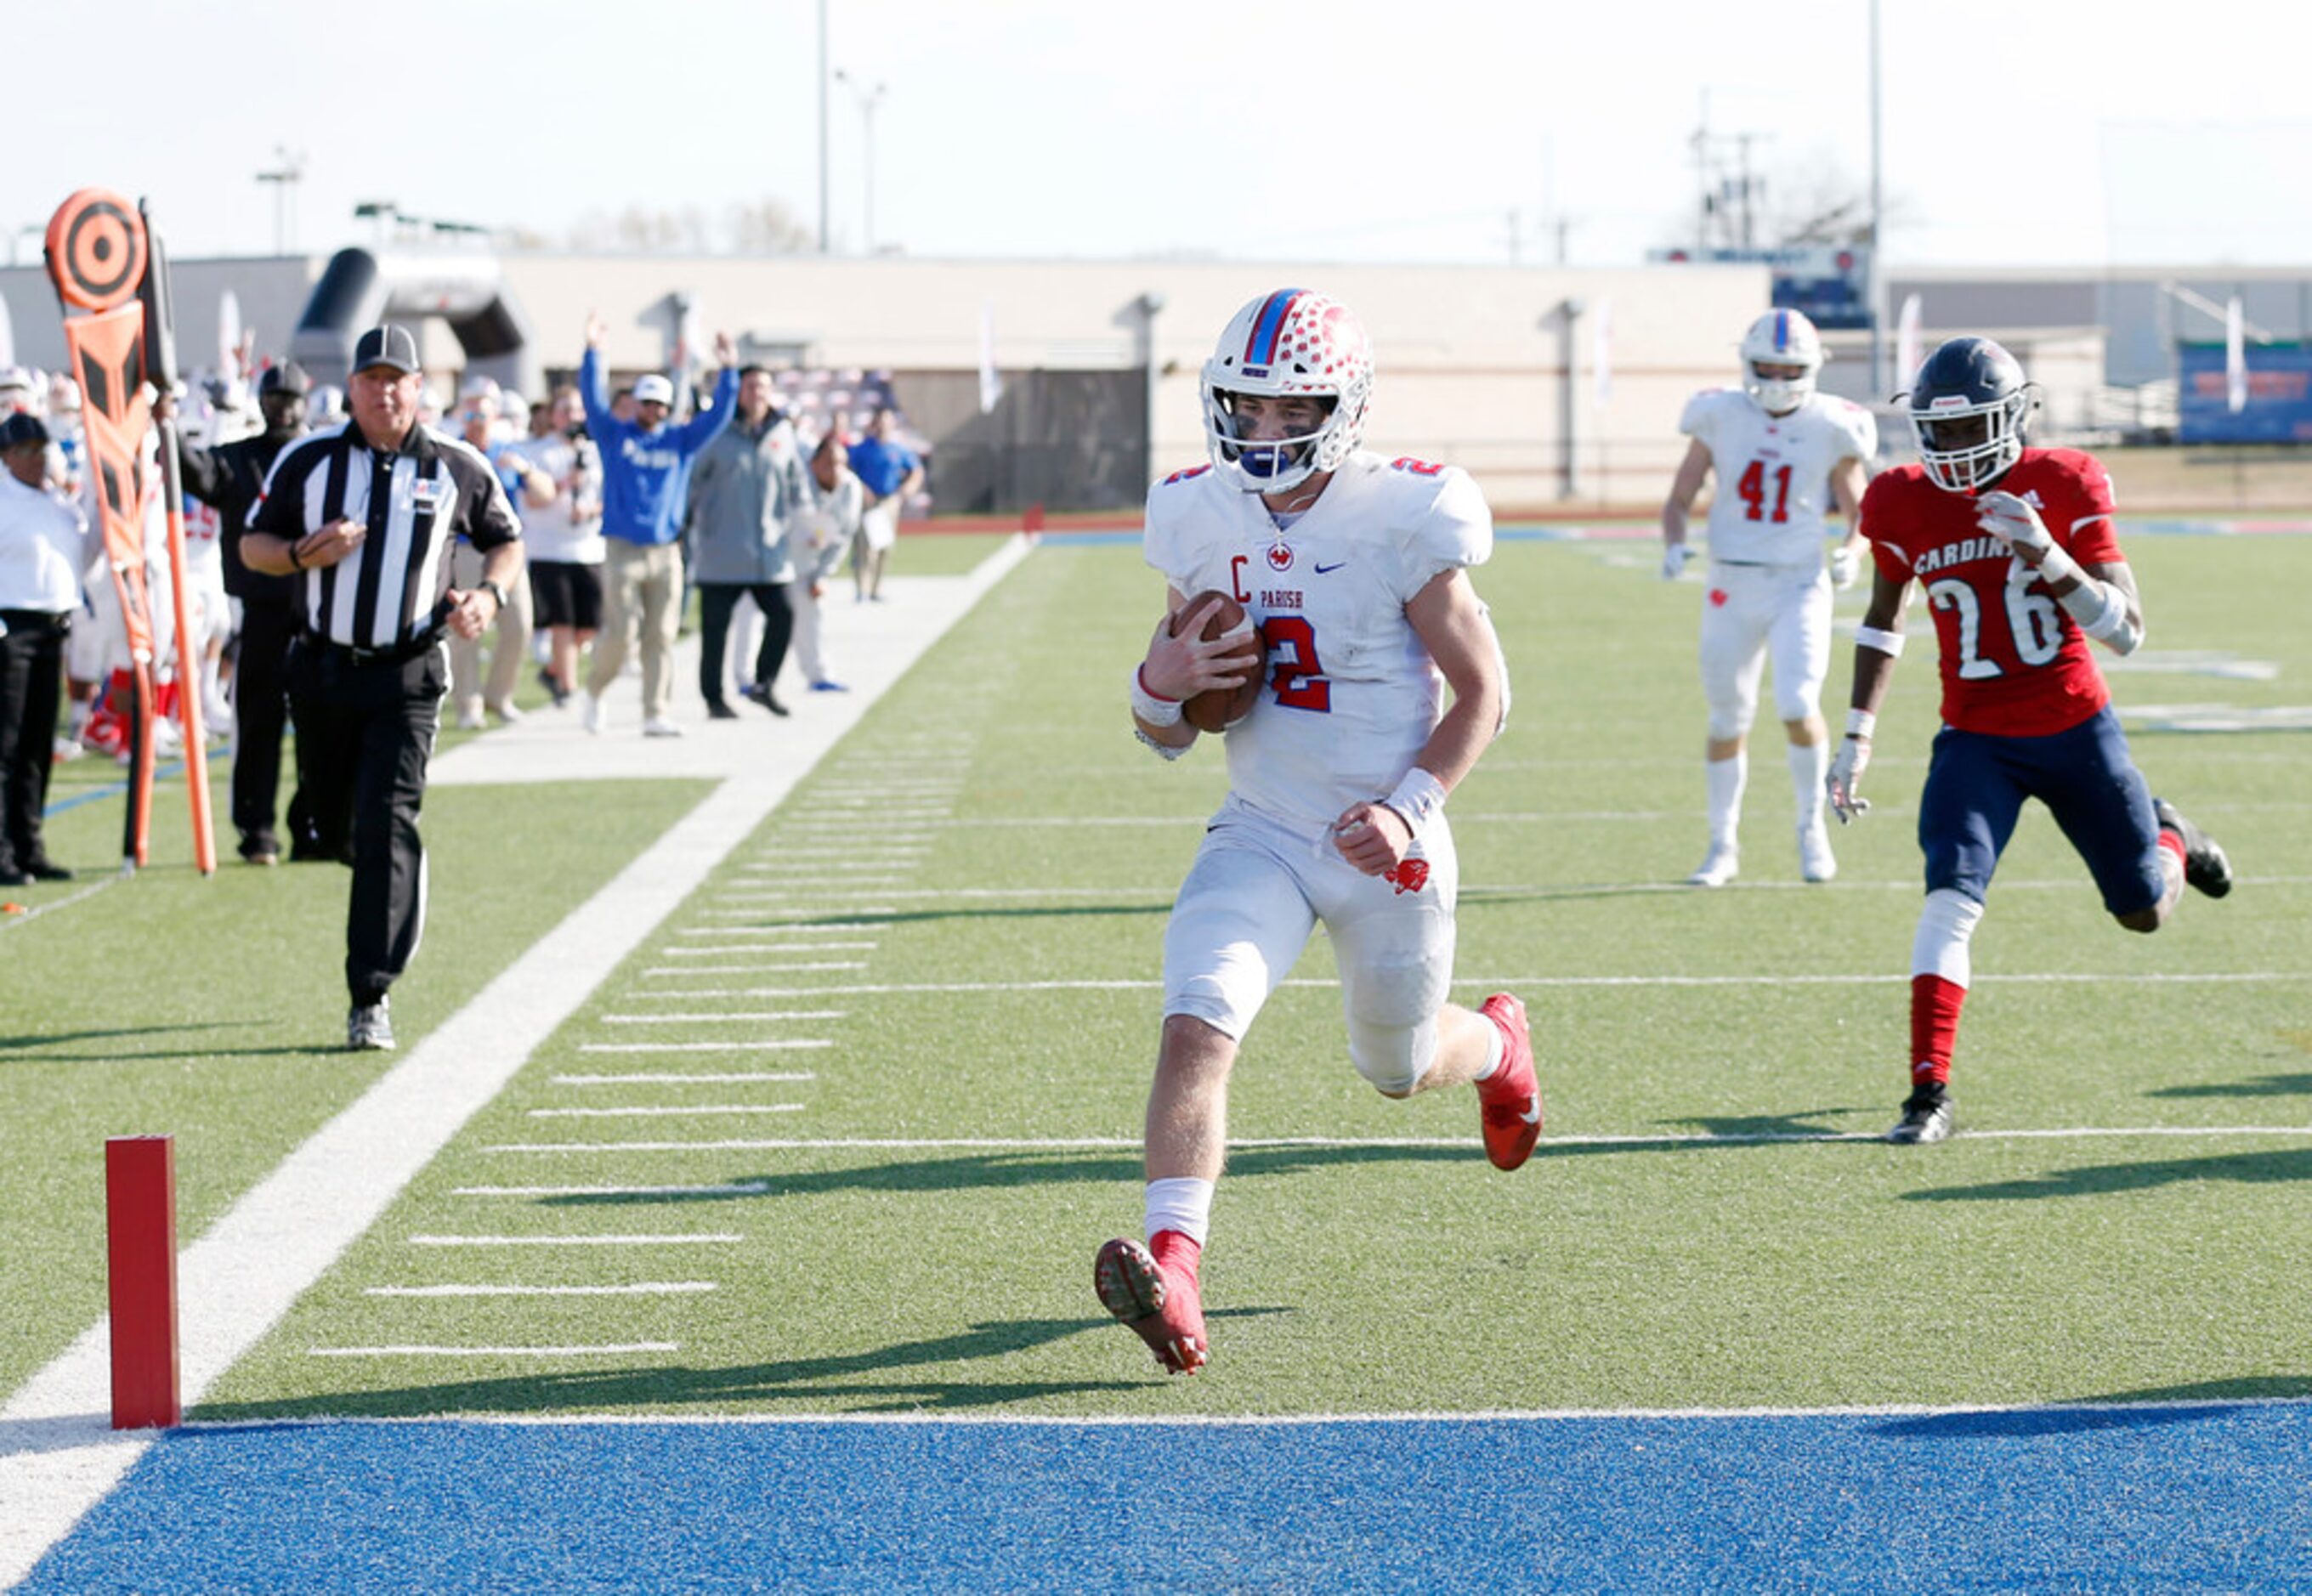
x: 1352, y: 693
x: 2014, y: 664
x: 1774, y: 471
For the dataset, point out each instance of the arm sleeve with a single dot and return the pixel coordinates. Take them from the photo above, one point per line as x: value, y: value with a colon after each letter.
x: 280, y: 508
x: 489, y: 518
x: 1694, y: 420
x: 204, y: 478
x: 2090, y: 534
x: 1862, y: 429
x: 700, y: 430
x: 1877, y: 503
x: 592, y: 395
x: 1162, y: 544
x: 1457, y: 531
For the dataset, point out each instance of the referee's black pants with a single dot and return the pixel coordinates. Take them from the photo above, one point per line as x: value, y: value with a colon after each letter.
x: 31, y: 676
x: 260, y: 714
x: 364, y: 734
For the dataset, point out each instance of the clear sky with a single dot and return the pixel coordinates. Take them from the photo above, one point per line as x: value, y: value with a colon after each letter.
x: 2015, y: 132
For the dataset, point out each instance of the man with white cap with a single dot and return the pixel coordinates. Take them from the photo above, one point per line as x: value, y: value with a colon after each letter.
x: 645, y: 478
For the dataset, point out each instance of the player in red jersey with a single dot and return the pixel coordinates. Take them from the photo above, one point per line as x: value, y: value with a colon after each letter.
x: 2021, y: 566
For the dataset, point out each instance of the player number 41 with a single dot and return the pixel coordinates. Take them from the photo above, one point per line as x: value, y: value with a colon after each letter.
x: 1752, y: 490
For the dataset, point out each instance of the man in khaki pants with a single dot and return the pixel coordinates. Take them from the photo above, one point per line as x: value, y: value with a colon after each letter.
x: 645, y: 473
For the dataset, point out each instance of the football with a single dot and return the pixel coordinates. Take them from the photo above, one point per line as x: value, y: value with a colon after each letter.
x: 1221, y: 708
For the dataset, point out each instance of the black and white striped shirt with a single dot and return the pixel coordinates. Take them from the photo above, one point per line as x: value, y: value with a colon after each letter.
x: 414, y: 501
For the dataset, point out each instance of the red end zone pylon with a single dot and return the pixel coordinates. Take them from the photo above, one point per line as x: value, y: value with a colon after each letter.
x: 140, y: 1222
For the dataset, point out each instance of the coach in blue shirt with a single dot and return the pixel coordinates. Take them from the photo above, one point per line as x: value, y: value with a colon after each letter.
x: 645, y: 476
x: 889, y: 471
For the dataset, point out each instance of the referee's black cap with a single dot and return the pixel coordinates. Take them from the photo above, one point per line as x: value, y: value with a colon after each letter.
x: 288, y: 378
x: 387, y: 345
x: 19, y: 429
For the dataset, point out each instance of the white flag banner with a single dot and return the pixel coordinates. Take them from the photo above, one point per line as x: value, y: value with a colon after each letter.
x: 2235, y: 358
x: 7, y: 337
x: 1601, y: 353
x: 1906, y: 341
x: 229, y: 334
x: 991, y: 381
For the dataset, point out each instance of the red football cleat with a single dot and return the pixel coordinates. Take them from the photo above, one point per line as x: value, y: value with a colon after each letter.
x: 1152, y: 1289
x: 1511, y: 1097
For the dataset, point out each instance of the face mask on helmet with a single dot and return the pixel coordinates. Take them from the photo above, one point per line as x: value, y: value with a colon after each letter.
x: 1967, y: 408
x: 1786, y: 345
x: 1285, y: 345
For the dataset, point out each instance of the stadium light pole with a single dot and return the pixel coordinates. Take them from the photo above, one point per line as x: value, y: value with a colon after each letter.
x: 1876, y: 272
x: 825, y: 235
x: 868, y: 100
x: 284, y: 179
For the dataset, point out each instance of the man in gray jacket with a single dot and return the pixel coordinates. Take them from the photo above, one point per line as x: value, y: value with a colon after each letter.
x: 749, y: 491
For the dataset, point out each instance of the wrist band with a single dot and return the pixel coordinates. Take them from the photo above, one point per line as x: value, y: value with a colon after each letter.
x: 1889, y: 643
x: 1150, y: 708
x: 1861, y: 723
x: 295, y: 563
x: 1418, y: 799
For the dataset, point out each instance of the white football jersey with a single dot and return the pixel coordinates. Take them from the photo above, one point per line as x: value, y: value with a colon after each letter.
x: 1774, y: 471
x: 1352, y: 693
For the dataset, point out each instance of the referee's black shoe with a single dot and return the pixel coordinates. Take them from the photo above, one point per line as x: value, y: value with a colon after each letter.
x: 369, y: 1029
x: 1927, y: 1116
x: 2205, y: 868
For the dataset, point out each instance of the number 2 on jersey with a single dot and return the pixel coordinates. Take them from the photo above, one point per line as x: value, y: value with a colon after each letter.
x: 1297, y: 674
x: 1753, y: 491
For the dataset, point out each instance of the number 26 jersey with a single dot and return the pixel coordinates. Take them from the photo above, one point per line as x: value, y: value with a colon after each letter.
x: 1352, y: 693
x: 2014, y: 663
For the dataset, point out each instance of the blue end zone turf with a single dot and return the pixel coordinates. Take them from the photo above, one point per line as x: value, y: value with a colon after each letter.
x: 2078, y: 1499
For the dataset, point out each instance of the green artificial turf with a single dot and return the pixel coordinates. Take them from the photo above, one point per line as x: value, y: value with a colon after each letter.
x: 1663, y: 1249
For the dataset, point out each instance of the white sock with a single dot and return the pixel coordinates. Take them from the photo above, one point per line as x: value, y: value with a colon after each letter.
x: 1497, y: 1048
x: 1809, y: 764
x: 1183, y: 1203
x: 1727, y: 778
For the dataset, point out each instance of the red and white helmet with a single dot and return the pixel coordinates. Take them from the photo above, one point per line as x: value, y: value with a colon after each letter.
x: 1287, y: 344
x: 1781, y: 338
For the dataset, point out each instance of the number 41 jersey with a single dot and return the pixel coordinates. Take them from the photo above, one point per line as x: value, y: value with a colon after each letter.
x: 2013, y: 664
x: 1352, y: 693
x: 1774, y: 471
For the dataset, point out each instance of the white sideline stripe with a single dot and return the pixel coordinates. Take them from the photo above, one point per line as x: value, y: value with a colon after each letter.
x: 779, y: 948
x: 659, y: 1078
x: 761, y: 911
x: 58, y: 1455
x: 9, y: 922
x: 702, y: 1046
x: 727, y: 1189
x: 715, y: 1238
x: 664, y: 1111
x: 604, y: 1350
x: 641, y: 1288
x: 1097, y: 1144
x: 1233, y: 1421
x: 730, y: 991
x: 708, y: 1019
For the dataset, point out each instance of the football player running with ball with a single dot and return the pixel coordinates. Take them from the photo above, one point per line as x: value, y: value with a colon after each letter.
x: 1777, y: 447
x: 1355, y: 567
x: 2021, y: 566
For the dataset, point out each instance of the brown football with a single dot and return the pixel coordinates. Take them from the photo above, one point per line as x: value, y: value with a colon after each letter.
x: 1222, y: 707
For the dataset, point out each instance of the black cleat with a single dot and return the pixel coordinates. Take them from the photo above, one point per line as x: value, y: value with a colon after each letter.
x: 2205, y: 868
x: 1927, y: 1116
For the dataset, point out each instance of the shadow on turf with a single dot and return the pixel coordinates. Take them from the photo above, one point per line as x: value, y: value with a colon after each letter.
x: 2270, y: 1086
x: 789, y: 1379
x: 2261, y: 1169
x: 1011, y: 1169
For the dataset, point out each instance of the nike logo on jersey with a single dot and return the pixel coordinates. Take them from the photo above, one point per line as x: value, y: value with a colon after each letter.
x: 1328, y: 569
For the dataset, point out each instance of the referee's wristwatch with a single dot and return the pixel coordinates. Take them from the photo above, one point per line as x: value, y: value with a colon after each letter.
x: 496, y: 592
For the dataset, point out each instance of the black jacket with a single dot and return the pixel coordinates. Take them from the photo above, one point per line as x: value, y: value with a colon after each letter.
x: 229, y: 479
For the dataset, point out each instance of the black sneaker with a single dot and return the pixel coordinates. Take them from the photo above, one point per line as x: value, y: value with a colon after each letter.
x: 1927, y: 1116
x: 40, y: 869
x: 259, y: 849
x: 369, y: 1029
x: 769, y: 699
x: 2205, y: 868
x: 716, y: 710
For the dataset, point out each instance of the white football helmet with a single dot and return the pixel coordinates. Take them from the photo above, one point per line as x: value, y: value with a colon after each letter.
x: 1285, y: 343
x: 1781, y: 338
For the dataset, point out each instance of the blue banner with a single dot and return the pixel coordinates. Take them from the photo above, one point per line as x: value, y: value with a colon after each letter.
x: 2278, y: 409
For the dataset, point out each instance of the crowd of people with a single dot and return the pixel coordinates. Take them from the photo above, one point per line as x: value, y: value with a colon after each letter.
x: 627, y: 498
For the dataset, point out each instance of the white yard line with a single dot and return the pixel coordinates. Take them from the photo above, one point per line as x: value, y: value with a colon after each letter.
x: 58, y: 1455
x: 9, y: 922
x: 640, y: 1288
x: 703, y: 1047
x: 662, y: 971
x: 727, y: 1189
x: 705, y: 1239
x: 815, y: 927
x: 712, y: 1019
x: 610, y: 1349
x: 656, y: 1078
x: 664, y: 1111
x: 777, y: 948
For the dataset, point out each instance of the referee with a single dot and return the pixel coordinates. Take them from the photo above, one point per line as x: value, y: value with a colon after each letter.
x: 366, y: 515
